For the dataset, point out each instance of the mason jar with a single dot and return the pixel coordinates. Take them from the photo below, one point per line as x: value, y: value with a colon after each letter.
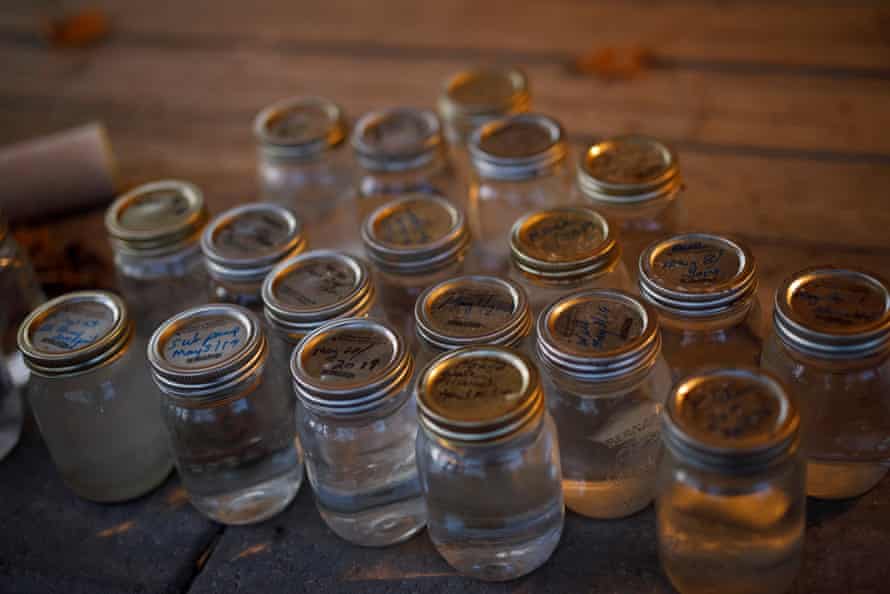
x: 230, y: 422
x: 704, y: 288
x: 730, y: 510
x: 358, y: 421
x: 155, y: 234
x: 489, y: 465
x: 560, y: 250
x: 92, y: 396
x: 606, y: 383
x: 413, y: 242
x: 243, y: 244
x: 831, y: 346
x: 519, y: 164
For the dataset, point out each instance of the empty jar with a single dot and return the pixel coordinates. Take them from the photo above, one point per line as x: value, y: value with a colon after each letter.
x: 730, y: 507
x: 489, y: 462
x: 231, y: 423
x: 831, y: 346
x: 704, y: 288
x: 155, y: 233
x: 559, y: 250
x: 243, y: 244
x: 92, y: 396
x: 358, y: 421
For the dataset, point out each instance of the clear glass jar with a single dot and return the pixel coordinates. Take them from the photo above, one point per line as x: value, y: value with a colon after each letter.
x: 413, y: 242
x: 92, y: 396
x: 358, y: 421
x: 155, y: 232
x: 231, y: 423
x: 831, y: 346
x: 730, y: 510
x: 519, y: 164
x: 606, y: 383
x: 560, y: 250
x: 488, y: 458
x: 242, y: 245
x: 704, y: 288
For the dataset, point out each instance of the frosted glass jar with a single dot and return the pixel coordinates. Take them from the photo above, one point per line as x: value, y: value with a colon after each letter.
x: 488, y: 457
x: 231, y: 423
x: 606, y: 383
x: 730, y: 512
x: 93, y: 398
x: 358, y: 421
x: 831, y: 346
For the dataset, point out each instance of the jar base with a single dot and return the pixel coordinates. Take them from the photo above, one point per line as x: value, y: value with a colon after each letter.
x: 835, y: 480
x: 254, y: 504
x: 609, y: 500
x: 379, y: 526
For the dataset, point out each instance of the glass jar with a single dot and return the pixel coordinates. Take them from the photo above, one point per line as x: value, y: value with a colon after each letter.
x: 231, y: 424
x: 704, y: 288
x: 414, y: 242
x: 358, y: 421
x: 489, y: 465
x: 519, y: 164
x: 606, y: 383
x: 730, y: 510
x: 92, y: 396
x: 560, y: 250
x: 155, y: 233
x: 831, y: 346
x: 243, y: 244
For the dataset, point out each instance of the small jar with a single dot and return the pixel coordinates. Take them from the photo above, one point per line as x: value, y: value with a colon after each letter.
x: 565, y: 249
x: 704, y: 288
x: 231, y: 423
x: 414, y: 242
x: 519, y: 164
x: 488, y: 458
x: 155, y: 233
x: 92, y: 396
x: 730, y: 511
x: 358, y: 422
x: 831, y: 346
x: 243, y: 244
x: 606, y: 383
x: 470, y: 311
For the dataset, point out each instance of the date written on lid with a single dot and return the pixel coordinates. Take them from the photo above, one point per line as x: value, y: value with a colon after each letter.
x: 252, y: 234
x: 316, y: 284
x: 349, y: 356
x: 205, y: 342
x: 467, y: 310
x: 73, y: 327
x: 597, y: 325
x: 696, y: 262
x: 414, y: 222
x: 565, y: 236
x: 476, y: 388
x: 840, y: 302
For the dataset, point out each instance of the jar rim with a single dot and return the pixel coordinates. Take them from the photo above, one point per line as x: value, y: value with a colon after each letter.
x: 479, y: 93
x: 374, y: 153
x: 329, y: 131
x: 494, y: 147
x: 628, y: 169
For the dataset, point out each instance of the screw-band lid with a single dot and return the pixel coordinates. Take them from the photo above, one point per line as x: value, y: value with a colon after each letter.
x: 627, y: 170
x: 476, y: 96
x: 300, y: 127
x: 518, y: 147
x: 397, y: 139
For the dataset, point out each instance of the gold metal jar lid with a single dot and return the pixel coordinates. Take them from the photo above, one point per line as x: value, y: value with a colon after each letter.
x: 628, y: 169
x: 74, y: 333
x: 698, y: 275
x: 732, y: 420
x: 156, y: 219
x: 415, y: 234
x: 351, y: 366
x: 834, y: 312
x: 397, y: 139
x: 476, y: 96
x: 473, y: 310
x: 564, y: 244
x: 244, y: 243
x: 518, y: 147
x: 479, y: 394
x: 300, y: 127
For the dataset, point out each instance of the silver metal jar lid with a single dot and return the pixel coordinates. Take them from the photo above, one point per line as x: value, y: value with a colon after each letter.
x: 74, y: 333
x: 244, y: 243
x: 157, y: 218
x: 834, y: 312
x: 563, y: 244
x: 518, y: 147
x: 731, y: 420
x: 415, y: 234
x: 599, y: 335
x: 697, y: 275
x: 300, y: 127
x: 473, y: 310
x: 479, y: 394
x: 397, y: 139
x: 206, y: 351
x: 315, y: 287
x: 351, y: 366
x: 481, y: 94
x: 628, y: 169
